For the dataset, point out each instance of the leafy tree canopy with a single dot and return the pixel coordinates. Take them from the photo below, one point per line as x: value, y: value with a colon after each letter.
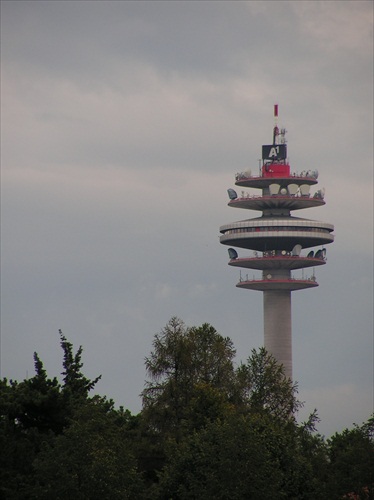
x: 263, y: 386
x: 208, y: 429
x: 183, y: 362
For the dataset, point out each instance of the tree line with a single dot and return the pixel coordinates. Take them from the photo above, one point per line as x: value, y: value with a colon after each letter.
x: 207, y: 430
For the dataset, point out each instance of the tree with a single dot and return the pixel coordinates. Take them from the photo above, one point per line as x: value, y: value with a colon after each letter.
x: 207, y: 430
x: 244, y: 456
x: 92, y: 459
x: 34, y: 412
x: 246, y: 439
x: 351, y: 456
x: 183, y: 361
x: 212, y: 357
x: 224, y: 460
x: 75, y: 384
x: 31, y: 412
x: 262, y: 387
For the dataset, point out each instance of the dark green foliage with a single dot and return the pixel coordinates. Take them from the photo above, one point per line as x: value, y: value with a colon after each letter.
x: 207, y: 431
x: 32, y: 412
x: 56, y: 442
x: 351, y: 455
x: 224, y: 460
x: 246, y: 456
x: 37, y: 402
x: 183, y: 362
x: 263, y: 388
x: 90, y: 460
x: 75, y: 385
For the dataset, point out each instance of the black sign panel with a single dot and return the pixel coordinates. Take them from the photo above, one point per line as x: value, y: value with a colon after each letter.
x: 274, y: 152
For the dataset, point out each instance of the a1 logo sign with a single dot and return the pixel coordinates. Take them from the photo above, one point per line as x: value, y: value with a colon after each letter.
x: 274, y: 151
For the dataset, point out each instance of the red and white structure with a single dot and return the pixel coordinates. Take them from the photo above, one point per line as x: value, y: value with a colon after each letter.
x: 278, y: 239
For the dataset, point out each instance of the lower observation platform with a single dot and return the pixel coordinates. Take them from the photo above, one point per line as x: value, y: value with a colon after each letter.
x: 278, y: 261
x: 276, y: 202
x: 279, y: 284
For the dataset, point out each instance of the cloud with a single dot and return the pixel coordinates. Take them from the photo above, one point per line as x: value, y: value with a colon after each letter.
x: 335, y: 26
x: 123, y: 124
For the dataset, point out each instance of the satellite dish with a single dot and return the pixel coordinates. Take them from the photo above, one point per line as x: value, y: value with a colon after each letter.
x: 284, y: 252
x: 283, y: 191
x: 233, y: 254
x: 320, y: 194
x: 232, y: 194
x: 248, y: 173
x: 310, y: 254
x: 319, y: 254
x: 292, y: 189
x: 296, y: 250
x: 268, y: 276
x: 304, y: 189
x: 274, y: 189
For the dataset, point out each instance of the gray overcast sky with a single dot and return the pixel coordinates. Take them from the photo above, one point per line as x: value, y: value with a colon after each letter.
x: 122, y: 126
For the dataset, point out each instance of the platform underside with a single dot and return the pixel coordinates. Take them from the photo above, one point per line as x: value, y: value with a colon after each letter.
x: 287, y: 285
x: 278, y: 262
x: 276, y: 203
x: 273, y: 240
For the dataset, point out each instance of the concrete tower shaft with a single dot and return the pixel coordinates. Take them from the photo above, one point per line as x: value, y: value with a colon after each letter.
x: 277, y: 239
x: 278, y: 327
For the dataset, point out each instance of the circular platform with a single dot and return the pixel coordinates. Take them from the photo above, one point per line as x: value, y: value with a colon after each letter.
x: 276, y: 240
x: 276, y: 262
x: 287, y: 284
x: 276, y: 233
x: 276, y: 202
x: 261, y: 182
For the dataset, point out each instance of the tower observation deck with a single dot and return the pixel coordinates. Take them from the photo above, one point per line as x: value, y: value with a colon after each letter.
x: 280, y: 242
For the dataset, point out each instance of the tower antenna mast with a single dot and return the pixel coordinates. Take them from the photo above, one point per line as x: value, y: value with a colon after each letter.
x: 276, y: 129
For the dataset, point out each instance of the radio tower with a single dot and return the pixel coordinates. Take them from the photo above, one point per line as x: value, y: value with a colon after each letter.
x: 278, y: 239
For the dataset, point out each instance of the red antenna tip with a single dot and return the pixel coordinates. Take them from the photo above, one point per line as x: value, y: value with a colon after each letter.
x: 276, y: 110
